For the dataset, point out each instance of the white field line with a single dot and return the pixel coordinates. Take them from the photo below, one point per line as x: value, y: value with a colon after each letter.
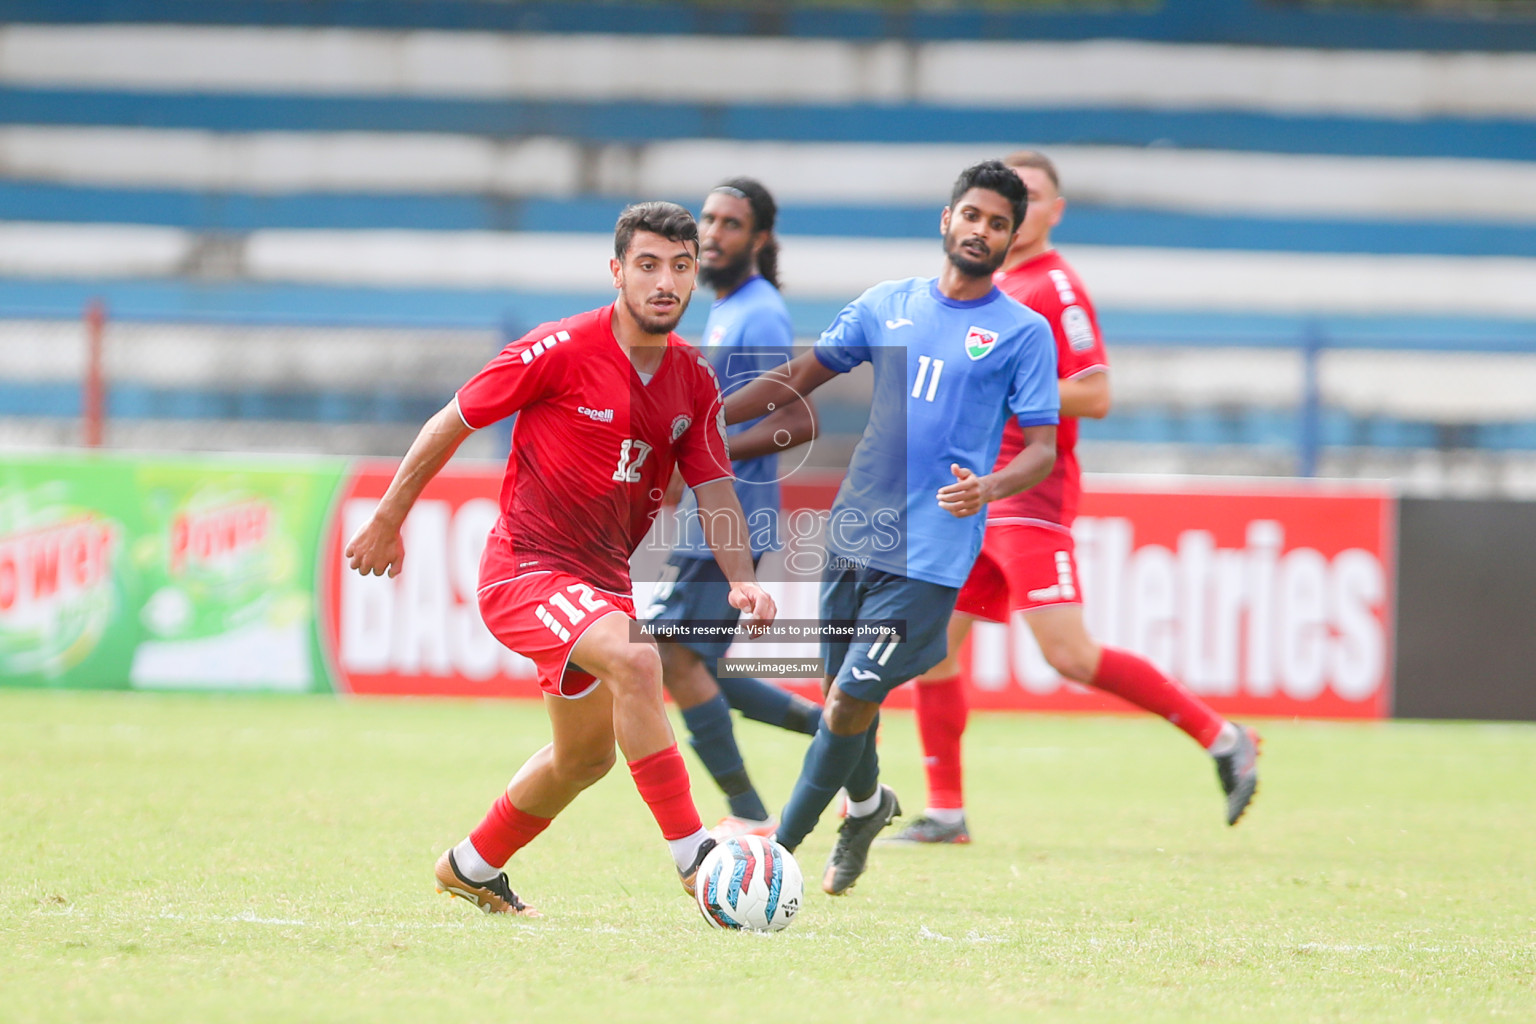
x: 251, y: 917
x: 924, y: 933
x: 524, y: 926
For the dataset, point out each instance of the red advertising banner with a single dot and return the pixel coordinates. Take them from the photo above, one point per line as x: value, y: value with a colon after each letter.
x: 1265, y: 599
x: 419, y: 633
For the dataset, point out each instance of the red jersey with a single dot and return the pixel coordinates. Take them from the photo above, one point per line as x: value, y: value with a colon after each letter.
x: 593, y: 445
x: 1048, y: 285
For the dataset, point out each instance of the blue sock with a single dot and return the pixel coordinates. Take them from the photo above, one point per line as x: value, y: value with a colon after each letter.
x: 866, y: 773
x: 828, y: 762
x: 757, y: 700
x: 766, y: 703
x: 713, y: 739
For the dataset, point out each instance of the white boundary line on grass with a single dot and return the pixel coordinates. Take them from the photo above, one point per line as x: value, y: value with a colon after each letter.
x: 923, y: 932
x: 250, y: 917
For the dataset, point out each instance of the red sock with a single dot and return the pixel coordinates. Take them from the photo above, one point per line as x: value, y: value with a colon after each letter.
x: 662, y: 780
x: 941, y: 716
x: 504, y: 831
x: 1137, y: 680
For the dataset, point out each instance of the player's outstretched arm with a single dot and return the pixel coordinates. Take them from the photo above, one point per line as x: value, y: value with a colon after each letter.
x: 788, y: 426
x: 376, y: 549
x: 777, y: 388
x: 725, y: 530
x: 969, y: 492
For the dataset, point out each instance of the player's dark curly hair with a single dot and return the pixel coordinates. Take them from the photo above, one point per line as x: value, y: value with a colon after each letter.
x: 670, y: 221
x: 994, y: 176
x: 764, y: 212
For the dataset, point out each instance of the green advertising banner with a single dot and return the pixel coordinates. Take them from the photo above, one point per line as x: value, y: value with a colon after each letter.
x: 160, y: 572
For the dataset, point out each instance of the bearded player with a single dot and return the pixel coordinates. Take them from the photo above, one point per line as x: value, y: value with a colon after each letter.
x: 748, y: 332
x: 608, y: 402
x: 1028, y: 561
x: 953, y: 359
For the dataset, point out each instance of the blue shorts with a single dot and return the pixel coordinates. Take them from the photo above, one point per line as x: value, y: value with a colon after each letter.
x: 915, y: 611
x: 697, y: 594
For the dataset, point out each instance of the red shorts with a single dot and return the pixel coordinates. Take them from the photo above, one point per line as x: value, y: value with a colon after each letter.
x: 1020, y: 568
x: 541, y: 615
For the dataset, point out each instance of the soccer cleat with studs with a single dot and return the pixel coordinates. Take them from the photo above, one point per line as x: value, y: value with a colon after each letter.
x: 1238, y: 770
x: 688, y: 877
x: 927, y: 830
x: 493, y: 897
x: 850, y: 855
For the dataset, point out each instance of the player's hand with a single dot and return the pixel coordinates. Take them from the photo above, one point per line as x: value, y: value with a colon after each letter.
x: 966, y: 495
x: 756, y: 606
x: 376, y: 550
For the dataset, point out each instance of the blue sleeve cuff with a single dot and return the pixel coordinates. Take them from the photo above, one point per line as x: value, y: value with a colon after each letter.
x: 824, y: 357
x: 1039, y: 420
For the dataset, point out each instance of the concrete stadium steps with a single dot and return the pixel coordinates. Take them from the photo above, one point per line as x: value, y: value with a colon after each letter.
x: 1410, y: 471
x: 1231, y: 205
x: 832, y: 269
x: 92, y: 250
x: 1179, y: 21
x: 1282, y: 429
x: 631, y: 121
x: 211, y: 299
x: 846, y: 174
x: 134, y: 400
x: 220, y: 212
x: 1431, y: 387
x: 239, y: 387
x: 253, y: 357
x: 387, y: 415
x: 840, y: 269
x: 1162, y: 228
x: 19, y: 433
x: 1122, y: 72
x: 1169, y: 394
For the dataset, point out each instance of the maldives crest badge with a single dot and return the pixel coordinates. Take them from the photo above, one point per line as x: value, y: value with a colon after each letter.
x: 979, y: 341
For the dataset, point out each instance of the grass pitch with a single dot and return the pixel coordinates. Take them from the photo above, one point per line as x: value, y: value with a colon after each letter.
x: 172, y: 858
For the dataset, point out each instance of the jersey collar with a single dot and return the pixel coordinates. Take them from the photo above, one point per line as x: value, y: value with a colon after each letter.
x: 942, y: 299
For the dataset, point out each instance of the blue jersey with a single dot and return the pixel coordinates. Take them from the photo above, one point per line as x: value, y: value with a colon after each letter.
x: 748, y: 333
x: 947, y: 376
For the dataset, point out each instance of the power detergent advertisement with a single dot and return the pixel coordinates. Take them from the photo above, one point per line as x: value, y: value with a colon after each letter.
x: 228, y: 574
x: 155, y: 573
x: 68, y: 589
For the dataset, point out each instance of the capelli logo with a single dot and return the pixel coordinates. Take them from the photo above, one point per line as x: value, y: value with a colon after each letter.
x: 599, y: 415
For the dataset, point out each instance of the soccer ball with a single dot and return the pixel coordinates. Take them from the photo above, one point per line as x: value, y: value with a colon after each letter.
x: 749, y: 883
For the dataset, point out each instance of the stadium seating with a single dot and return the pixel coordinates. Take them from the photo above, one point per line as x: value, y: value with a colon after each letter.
x: 1346, y: 212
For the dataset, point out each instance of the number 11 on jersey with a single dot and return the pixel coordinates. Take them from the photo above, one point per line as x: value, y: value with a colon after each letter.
x: 922, y: 373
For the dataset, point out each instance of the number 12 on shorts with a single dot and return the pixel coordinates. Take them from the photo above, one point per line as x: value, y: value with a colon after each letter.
x: 588, y: 600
